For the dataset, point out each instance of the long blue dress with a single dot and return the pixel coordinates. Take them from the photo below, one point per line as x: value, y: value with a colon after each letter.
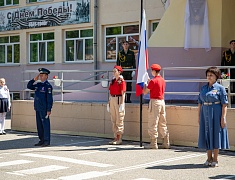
x: 211, y: 135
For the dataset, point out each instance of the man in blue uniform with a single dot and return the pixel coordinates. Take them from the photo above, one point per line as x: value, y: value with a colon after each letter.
x: 43, y: 102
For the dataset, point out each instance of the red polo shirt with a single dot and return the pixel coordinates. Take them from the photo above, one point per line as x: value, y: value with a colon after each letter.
x: 117, y: 87
x: 157, y: 87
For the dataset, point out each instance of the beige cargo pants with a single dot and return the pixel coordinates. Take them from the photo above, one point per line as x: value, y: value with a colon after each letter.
x: 117, y: 117
x: 157, y: 119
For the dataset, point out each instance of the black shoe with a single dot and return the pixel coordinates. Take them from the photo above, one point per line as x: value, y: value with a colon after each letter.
x: 38, y: 144
x: 4, y: 133
x: 128, y: 101
x: 45, y: 145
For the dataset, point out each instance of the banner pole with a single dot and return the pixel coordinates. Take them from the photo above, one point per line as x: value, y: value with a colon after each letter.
x: 141, y: 96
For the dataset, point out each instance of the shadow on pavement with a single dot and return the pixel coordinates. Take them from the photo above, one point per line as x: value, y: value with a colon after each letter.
x: 22, y: 140
x: 226, y: 176
x: 180, y: 166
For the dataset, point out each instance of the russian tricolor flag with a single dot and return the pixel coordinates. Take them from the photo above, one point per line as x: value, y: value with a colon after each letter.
x: 142, y: 74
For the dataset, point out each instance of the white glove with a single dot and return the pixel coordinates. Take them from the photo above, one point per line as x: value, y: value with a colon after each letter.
x: 133, y: 74
x: 108, y: 107
x: 121, y: 107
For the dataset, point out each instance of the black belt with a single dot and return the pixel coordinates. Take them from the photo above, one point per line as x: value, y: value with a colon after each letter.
x: 129, y: 67
x: 211, y: 103
x: 116, y: 95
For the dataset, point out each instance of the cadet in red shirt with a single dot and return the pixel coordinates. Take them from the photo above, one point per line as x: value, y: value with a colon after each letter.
x: 157, y: 112
x: 117, y: 90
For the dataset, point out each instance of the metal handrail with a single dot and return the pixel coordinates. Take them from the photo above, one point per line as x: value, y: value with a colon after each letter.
x: 62, y: 90
x: 197, y: 80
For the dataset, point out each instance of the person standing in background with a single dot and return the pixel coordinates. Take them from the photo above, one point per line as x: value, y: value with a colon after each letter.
x: 157, y: 110
x: 5, y: 104
x: 212, y: 110
x: 116, y: 104
x: 126, y: 59
x: 228, y: 59
x: 43, y: 102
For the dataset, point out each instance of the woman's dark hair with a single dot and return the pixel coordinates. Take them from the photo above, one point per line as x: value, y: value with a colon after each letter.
x: 112, y: 81
x: 216, y: 71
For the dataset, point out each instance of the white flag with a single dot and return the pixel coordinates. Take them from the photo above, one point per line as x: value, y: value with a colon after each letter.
x: 142, y: 75
x: 197, y: 33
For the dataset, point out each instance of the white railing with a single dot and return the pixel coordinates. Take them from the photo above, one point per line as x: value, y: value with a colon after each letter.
x: 94, y: 79
x: 197, y: 80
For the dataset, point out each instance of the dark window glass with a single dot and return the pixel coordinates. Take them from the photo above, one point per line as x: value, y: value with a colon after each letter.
x: 15, y: 1
x: 89, y: 49
x: 48, y: 36
x: 50, y: 51
x: 113, y: 30
x: 16, y: 53
x: 42, y: 53
x: 120, y: 40
x: 4, y: 39
x: 134, y: 43
x: 87, y: 33
x: 8, y: 2
x: 14, y: 39
x: 155, y: 26
x: 9, y: 54
x: 79, y: 49
x: 33, y: 52
x: 131, y: 29
x: 72, y: 34
x: 70, y: 50
x: 35, y: 37
x: 111, y: 48
x: 2, y: 54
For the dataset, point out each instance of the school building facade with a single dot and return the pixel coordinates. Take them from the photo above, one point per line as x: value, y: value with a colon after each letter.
x: 86, y: 35
x: 67, y: 35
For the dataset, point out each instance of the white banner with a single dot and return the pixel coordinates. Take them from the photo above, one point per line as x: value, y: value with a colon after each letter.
x: 196, y: 25
x: 55, y: 14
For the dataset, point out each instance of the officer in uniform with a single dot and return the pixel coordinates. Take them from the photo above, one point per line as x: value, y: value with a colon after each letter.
x: 126, y: 59
x: 228, y: 59
x: 43, y: 102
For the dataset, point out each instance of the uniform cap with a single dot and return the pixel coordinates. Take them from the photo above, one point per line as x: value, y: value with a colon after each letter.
x: 156, y: 67
x: 43, y: 71
x: 119, y: 68
x: 125, y: 41
x: 231, y: 41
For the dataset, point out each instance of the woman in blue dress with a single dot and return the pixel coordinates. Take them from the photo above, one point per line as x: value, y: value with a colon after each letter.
x: 212, y: 106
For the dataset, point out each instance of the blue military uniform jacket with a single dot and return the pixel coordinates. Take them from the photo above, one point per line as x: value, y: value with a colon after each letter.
x: 43, y: 99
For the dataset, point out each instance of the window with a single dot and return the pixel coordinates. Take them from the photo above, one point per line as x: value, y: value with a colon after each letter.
x: 9, y: 49
x: 114, y: 37
x: 154, y: 26
x: 8, y: 2
x: 42, y: 47
x: 79, y: 45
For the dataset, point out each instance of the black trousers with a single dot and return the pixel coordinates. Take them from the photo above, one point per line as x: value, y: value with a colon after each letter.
x: 127, y: 76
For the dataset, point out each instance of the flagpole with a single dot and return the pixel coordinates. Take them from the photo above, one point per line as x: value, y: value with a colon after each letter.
x: 141, y: 96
